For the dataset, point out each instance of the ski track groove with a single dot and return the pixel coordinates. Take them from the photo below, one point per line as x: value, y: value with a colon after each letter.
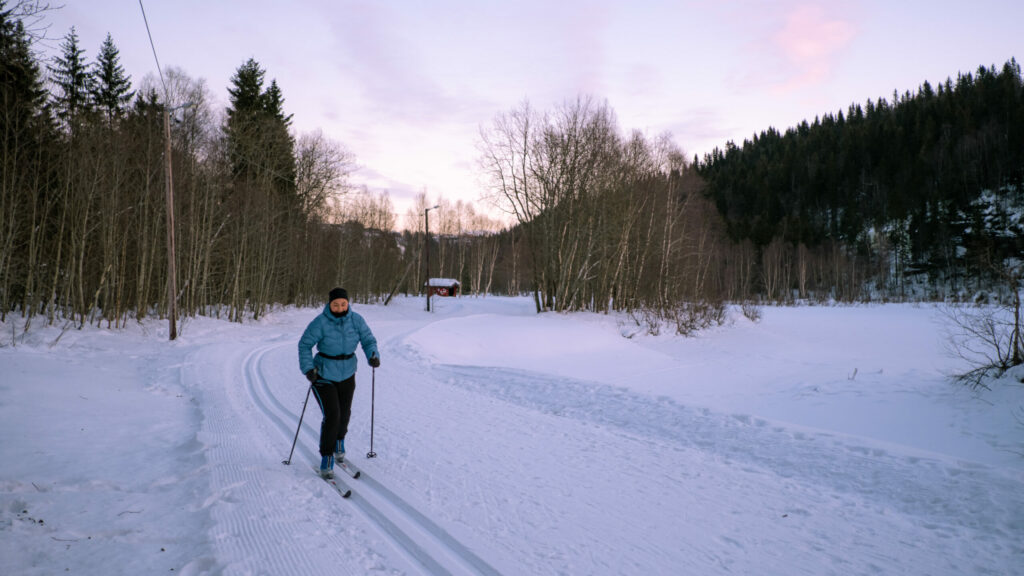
x: 241, y: 533
x: 401, y: 512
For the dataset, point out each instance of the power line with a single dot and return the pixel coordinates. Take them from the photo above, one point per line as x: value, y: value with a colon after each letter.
x: 172, y: 280
x: 167, y: 95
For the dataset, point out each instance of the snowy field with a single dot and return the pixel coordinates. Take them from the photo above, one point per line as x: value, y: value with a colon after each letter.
x: 818, y: 441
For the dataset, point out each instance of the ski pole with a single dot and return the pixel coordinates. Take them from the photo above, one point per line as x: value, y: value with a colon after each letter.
x: 373, y: 395
x: 288, y: 462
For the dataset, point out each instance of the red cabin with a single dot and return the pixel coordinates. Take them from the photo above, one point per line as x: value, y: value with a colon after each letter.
x: 443, y: 287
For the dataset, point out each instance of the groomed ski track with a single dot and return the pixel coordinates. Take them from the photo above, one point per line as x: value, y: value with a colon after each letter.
x: 424, y: 542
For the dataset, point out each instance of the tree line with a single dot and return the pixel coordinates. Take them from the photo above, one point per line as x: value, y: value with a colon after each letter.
x: 602, y: 218
x: 263, y: 216
x: 83, y: 231
x: 927, y: 187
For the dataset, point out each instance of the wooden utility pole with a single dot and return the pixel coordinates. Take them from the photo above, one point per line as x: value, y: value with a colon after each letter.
x: 172, y: 283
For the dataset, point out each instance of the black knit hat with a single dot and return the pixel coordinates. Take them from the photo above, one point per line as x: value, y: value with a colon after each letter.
x: 337, y: 293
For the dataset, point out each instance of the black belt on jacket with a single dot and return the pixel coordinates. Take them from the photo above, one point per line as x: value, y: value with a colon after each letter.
x: 338, y: 357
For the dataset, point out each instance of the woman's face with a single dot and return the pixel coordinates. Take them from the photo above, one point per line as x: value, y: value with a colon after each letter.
x: 339, y: 305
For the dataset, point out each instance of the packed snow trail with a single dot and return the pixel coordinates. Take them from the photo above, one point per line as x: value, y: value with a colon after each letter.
x: 260, y: 526
x: 406, y: 526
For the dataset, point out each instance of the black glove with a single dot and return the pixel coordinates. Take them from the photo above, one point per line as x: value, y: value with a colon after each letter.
x: 374, y: 361
x: 312, y: 376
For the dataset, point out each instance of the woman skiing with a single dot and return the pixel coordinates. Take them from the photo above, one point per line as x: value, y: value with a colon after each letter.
x: 332, y: 371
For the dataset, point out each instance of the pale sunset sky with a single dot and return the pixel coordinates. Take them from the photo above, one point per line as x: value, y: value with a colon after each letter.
x: 407, y: 85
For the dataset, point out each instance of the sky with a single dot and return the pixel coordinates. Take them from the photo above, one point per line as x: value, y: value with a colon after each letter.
x: 406, y: 86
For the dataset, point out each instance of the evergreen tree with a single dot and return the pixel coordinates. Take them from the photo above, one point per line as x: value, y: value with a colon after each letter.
x: 259, y: 142
x: 279, y: 138
x: 274, y: 103
x: 25, y: 158
x: 243, y: 117
x: 246, y: 93
x: 73, y: 81
x: 22, y: 95
x: 112, y: 90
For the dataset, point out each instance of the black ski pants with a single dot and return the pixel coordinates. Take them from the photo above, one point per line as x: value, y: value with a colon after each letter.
x: 335, y: 400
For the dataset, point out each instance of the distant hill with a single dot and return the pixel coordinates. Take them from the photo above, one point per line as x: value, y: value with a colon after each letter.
x: 935, y: 176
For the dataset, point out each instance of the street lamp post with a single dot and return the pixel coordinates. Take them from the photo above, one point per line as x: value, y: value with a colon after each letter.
x: 426, y: 239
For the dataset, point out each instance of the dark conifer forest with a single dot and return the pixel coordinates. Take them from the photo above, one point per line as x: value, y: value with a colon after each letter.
x: 931, y: 181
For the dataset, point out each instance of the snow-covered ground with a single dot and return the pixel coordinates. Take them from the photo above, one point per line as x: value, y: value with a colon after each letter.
x: 818, y: 441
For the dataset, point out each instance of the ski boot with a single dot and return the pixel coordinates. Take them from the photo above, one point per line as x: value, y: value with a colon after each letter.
x: 327, y: 467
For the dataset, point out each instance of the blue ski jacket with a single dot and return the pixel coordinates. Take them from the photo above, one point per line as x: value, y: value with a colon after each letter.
x: 335, y: 337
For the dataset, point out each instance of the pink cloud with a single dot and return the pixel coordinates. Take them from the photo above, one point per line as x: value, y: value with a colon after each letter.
x: 809, y: 43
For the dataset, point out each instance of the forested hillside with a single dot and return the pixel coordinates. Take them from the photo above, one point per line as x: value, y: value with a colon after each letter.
x: 925, y: 182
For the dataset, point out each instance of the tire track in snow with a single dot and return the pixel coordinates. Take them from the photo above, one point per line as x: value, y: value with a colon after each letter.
x: 408, y: 529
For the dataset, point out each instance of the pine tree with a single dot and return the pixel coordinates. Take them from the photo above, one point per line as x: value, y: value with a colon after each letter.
x: 247, y: 90
x: 279, y: 138
x: 258, y: 139
x: 25, y: 129
x: 73, y: 81
x: 21, y: 87
x: 243, y: 118
x: 274, y: 103
x: 112, y: 90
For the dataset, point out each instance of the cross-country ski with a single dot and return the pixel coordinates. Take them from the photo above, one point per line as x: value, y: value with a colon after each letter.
x: 349, y: 468
x: 338, y: 485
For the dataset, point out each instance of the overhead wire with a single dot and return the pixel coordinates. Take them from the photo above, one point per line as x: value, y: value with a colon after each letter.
x: 167, y: 94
